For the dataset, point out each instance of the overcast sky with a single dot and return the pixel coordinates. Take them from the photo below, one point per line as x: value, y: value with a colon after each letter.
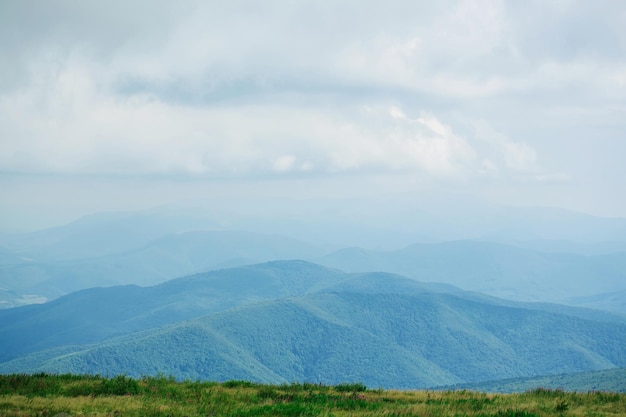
x: 117, y: 105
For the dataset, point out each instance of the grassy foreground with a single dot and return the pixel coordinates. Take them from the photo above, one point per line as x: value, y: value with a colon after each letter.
x: 51, y: 395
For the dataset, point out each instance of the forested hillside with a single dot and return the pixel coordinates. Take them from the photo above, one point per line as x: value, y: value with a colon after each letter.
x: 296, y: 321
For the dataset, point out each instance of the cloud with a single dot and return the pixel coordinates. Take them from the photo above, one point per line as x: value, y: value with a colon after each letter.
x: 69, y: 121
x: 519, y: 156
x: 516, y: 156
x: 461, y: 50
x: 309, y: 88
x: 67, y: 125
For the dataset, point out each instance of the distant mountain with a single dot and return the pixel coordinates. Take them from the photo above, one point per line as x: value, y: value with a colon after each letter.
x: 612, y: 301
x: 551, y: 223
x: 496, y: 269
x: 295, y: 321
x: 93, y: 315
x: 611, y: 380
x: 165, y: 258
x: 405, y: 219
x: 100, y: 235
x: 564, y: 246
x: 501, y: 270
x: 553, y: 254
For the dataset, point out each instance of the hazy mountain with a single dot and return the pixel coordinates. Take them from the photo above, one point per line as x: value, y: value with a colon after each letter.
x: 336, y: 223
x: 612, y: 301
x: 95, y: 314
x: 294, y: 321
x: 565, y: 246
x: 402, y: 220
x: 611, y: 380
x: 144, y: 248
x: 101, y: 234
x: 501, y: 270
x: 165, y: 258
x: 547, y: 223
x: 497, y: 269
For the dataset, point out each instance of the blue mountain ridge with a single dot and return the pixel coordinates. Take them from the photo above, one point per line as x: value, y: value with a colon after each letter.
x: 290, y: 321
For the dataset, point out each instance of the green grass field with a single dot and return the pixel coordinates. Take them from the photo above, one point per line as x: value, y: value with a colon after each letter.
x: 51, y: 395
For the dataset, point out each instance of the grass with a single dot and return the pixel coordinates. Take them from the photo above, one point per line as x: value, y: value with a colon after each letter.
x: 51, y: 395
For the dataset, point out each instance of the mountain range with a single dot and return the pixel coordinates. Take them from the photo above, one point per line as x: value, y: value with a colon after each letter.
x: 289, y: 321
x: 151, y: 248
x: 197, y: 295
x: 608, y: 380
x: 498, y: 269
x: 36, y: 271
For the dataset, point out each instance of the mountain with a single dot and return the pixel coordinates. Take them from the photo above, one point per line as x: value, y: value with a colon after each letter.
x: 564, y: 246
x: 164, y: 258
x: 497, y: 269
x: 405, y: 219
x: 611, y: 380
x: 550, y: 223
x: 101, y: 234
x: 552, y: 255
x: 95, y: 314
x: 612, y: 301
x: 296, y: 321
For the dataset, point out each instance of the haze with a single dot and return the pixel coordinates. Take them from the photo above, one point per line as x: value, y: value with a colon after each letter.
x: 353, y: 109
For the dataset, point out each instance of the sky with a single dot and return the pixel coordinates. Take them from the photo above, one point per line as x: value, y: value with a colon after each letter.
x: 128, y: 105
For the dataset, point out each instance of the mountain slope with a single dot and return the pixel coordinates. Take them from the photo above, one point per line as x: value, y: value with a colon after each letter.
x: 613, y: 380
x: 294, y: 321
x: 496, y: 269
x: 93, y: 315
x: 612, y: 301
x: 165, y: 258
x: 100, y: 234
x: 390, y: 341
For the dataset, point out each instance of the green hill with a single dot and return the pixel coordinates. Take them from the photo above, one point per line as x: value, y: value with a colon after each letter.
x: 609, y: 380
x: 294, y: 321
x: 93, y: 315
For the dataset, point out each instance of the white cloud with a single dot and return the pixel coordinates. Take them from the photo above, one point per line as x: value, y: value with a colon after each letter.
x: 518, y: 157
x: 489, y: 168
x: 69, y: 126
x: 554, y: 178
x: 284, y: 163
x: 396, y: 113
x: 459, y: 49
x: 66, y: 122
x: 253, y: 89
